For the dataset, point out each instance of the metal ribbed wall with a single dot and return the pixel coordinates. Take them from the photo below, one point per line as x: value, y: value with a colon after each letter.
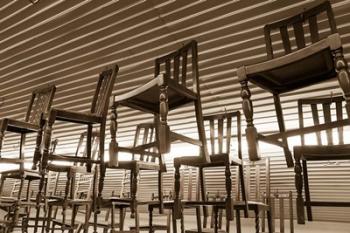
x: 68, y: 42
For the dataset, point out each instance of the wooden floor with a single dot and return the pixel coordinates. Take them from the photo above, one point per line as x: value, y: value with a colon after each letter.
x: 248, y: 226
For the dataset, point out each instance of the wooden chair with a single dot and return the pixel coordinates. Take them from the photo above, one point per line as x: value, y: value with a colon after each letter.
x: 168, y: 203
x: 281, y: 198
x: 78, y: 187
x: 82, y: 194
x: 166, y: 92
x: 220, y: 128
x: 96, y: 116
x: 39, y: 104
x: 141, y: 159
x: 322, y: 110
x: 256, y: 201
x: 311, y: 62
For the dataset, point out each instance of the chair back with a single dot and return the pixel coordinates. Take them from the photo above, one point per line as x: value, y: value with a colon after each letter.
x: 103, y: 91
x: 81, y: 151
x: 83, y: 188
x: 176, y: 66
x: 257, y: 180
x: 40, y: 103
x: 145, y: 134
x: 295, y: 25
x: 322, y: 110
x: 221, y: 131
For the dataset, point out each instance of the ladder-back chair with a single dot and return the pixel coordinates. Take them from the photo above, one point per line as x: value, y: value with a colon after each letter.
x: 307, y: 59
x: 259, y: 173
x: 326, y: 114
x: 221, y: 129
x: 143, y: 157
x: 78, y: 185
x: 175, y: 83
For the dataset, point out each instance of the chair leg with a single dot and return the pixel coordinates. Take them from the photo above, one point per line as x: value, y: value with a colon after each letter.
x: 269, y: 221
x: 163, y: 127
x: 299, y: 187
x: 216, y: 224
x: 307, y: 191
x: 257, y: 221
x: 150, y: 219
x: 133, y: 178
x: 48, y: 219
x: 203, y: 194
x: 228, y: 185
x: 177, y: 202
x: 173, y: 219
x: 343, y: 76
x: 198, y: 217
x: 243, y: 190
x: 238, y: 222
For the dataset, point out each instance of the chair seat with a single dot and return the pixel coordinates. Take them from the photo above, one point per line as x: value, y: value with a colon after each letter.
x: 67, y: 168
x: 68, y: 222
x: 142, y: 165
x: 20, y: 126
x: 298, y: 69
x: 18, y: 174
x: 329, y: 152
x: 252, y: 205
x: 146, y: 97
x: 195, y: 161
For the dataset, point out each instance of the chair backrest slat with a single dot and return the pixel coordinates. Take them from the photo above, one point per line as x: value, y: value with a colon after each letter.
x: 220, y: 134
x: 176, y: 68
x: 229, y: 132
x: 103, y: 91
x: 285, y: 39
x: 299, y: 34
x: 327, y: 105
x: 212, y: 136
x: 316, y: 120
x: 339, y: 110
x: 314, y: 29
x: 184, y: 68
x: 328, y: 119
x: 220, y: 128
x: 297, y: 23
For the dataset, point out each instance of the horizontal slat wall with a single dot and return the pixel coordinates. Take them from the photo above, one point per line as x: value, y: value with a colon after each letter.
x: 68, y: 42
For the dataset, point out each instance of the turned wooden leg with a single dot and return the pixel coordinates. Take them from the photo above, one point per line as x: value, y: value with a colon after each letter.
x: 177, y: 201
x: 37, y: 153
x: 257, y: 222
x: 133, y: 193
x: 203, y: 196
x: 343, y: 76
x: 299, y: 187
x: 113, y: 145
x: 251, y: 132
x: 163, y: 128
x: 228, y: 185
